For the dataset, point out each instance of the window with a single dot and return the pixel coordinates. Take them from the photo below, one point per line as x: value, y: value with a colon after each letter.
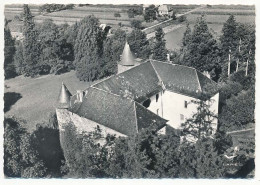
x: 147, y: 103
x: 157, y: 97
x: 185, y: 104
x: 182, y: 117
x: 157, y: 111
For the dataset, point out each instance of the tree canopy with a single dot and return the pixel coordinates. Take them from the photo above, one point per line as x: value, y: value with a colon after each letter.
x: 31, y: 48
x: 88, y: 49
x: 158, y: 46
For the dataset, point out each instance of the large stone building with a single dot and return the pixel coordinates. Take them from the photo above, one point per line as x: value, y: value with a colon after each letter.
x: 143, y: 94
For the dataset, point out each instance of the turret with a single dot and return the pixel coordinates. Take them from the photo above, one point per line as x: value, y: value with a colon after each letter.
x: 127, y: 59
x: 64, y: 97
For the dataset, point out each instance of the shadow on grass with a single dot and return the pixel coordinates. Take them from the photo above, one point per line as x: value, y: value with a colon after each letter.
x: 10, y: 99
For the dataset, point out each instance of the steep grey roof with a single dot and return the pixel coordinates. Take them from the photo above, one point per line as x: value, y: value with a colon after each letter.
x: 138, y: 83
x: 116, y: 112
x: 146, y: 118
x: 207, y: 85
x: 127, y: 58
x: 182, y: 79
x: 64, y: 97
x: 114, y: 102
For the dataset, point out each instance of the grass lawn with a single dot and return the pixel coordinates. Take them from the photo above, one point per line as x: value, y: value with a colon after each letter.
x: 33, y: 99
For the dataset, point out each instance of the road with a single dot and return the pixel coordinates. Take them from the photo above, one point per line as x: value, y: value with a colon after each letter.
x: 170, y: 28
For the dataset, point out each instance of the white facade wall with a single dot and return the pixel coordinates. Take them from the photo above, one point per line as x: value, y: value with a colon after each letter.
x: 171, y: 106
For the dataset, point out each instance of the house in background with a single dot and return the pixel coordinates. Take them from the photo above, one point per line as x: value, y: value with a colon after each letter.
x: 163, y: 10
x: 143, y: 94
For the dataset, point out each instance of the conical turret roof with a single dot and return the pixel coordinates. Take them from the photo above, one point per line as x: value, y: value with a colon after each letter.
x: 127, y: 56
x: 64, y: 97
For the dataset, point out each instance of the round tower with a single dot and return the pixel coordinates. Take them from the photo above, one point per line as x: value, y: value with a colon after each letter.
x: 64, y: 97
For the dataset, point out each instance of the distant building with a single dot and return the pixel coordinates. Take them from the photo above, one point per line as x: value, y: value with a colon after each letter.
x: 143, y: 94
x: 163, y: 10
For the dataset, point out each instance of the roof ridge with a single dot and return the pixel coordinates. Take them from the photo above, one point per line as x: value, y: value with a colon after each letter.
x: 208, y: 78
x: 160, y: 79
x: 102, y: 80
x: 198, y: 80
x: 173, y: 64
x: 127, y: 98
x: 116, y: 75
x: 132, y: 67
x: 105, y: 91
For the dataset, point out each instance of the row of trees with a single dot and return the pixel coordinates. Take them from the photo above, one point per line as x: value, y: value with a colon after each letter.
x: 230, y: 61
x: 203, y: 51
x: 84, y: 46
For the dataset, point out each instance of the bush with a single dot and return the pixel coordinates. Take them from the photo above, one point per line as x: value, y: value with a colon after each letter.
x: 238, y: 111
x: 136, y: 24
x: 130, y: 13
x: 182, y: 18
x: 228, y: 89
x: 116, y: 14
x: 54, y: 7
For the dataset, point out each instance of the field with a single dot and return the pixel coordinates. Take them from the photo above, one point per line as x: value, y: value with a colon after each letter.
x: 33, y: 99
x: 215, y: 16
x: 12, y: 10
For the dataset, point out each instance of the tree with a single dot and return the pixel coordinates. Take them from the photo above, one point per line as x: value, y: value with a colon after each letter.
x: 174, y: 15
x: 229, y: 39
x: 150, y: 13
x: 202, y: 52
x: 182, y: 18
x: 132, y: 12
x: 229, y: 42
x: 57, y: 53
x: 31, y: 49
x: 9, y: 51
x: 158, y: 47
x: 138, y: 43
x: 137, y: 24
x: 88, y: 49
x: 186, y: 39
x: 20, y: 157
x: 85, y: 155
x: 200, y: 124
x: 238, y: 111
x: 18, y: 58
